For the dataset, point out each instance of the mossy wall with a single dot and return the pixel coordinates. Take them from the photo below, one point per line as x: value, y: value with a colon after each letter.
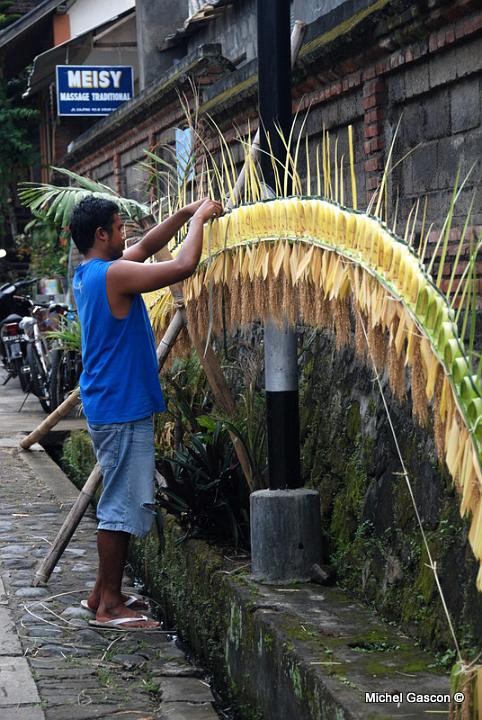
x: 369, y: 524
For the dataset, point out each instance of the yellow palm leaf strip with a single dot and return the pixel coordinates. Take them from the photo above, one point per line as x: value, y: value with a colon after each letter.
x: 419, y: 401
x: 401, y: 331
x: 352, y: 167
x: 340, y: 230
x: 304, y: 260
x: 315, y: 267
x: 277, y: 258
x: 471, y: 489
x: 308, y: 207
x: 341, y: 282
x: 459, y: 456
x: 432, y: 365
x: 325, y: 171
x: 475, y: 532
x: 342, y: 181
x: 452, y: 443
x: 318, y: 171
x: 308, y: 166
x: 333, y: 263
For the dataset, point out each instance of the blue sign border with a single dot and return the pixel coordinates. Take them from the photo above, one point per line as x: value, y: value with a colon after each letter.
x: 88, y: 67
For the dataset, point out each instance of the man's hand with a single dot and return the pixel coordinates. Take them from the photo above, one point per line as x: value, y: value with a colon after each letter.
x: 193, y: 207
x: 207, y: 209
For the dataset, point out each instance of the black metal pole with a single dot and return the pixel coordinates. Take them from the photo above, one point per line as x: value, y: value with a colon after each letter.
x: 274, y: 83
x: 274, y: 78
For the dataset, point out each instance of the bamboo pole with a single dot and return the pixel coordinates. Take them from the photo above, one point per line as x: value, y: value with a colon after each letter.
x: 223, y: 399
x: 68, y: 528
x: 170, y: 336
x: 51, y: 420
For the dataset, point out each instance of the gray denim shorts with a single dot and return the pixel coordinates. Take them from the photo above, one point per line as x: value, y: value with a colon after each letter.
x: 125, y: 453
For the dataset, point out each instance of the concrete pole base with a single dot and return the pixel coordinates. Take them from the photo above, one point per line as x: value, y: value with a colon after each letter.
x: 285, y: 535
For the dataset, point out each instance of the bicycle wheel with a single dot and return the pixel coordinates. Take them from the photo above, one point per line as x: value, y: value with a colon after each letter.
x: 66, y: 368
x: 39, y: 381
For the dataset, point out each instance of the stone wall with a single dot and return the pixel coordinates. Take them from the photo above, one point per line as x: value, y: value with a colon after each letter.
x: 369, y: 525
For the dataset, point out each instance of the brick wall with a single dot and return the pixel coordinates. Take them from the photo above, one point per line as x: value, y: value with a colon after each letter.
x: 422, y: 69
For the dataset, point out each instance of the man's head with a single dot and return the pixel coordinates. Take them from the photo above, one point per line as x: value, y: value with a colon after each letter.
x: 95, y: 220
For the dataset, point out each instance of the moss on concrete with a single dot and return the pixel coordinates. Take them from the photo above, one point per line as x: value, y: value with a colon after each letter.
x: 370, y: 532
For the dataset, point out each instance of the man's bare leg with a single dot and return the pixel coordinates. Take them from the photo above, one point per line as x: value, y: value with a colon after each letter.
x: 94, y: 596
x: 112, y: 547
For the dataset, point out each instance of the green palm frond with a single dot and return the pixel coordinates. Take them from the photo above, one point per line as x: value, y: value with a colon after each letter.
x: 55, y: 203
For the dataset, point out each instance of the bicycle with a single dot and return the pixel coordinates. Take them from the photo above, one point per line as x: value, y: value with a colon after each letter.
x: 65, y: 357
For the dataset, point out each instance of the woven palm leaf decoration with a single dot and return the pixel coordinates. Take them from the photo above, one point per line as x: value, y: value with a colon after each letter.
x: 313, y: 261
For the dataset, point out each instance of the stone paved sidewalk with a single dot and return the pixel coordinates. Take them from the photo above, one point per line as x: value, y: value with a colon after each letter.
x: 53, y: 665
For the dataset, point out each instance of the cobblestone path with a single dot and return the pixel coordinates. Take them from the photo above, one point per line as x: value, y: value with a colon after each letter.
x: 53, y: 665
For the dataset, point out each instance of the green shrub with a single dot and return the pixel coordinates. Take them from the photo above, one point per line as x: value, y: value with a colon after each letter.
x: 78, y: 458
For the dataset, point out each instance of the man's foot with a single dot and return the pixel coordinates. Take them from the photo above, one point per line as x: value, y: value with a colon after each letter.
x: 122, y: 618
x: 131, y: 601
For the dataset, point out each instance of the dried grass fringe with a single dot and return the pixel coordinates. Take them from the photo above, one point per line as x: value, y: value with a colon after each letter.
x: 396, y: 369
x: 438, y: 424
x: 377, y: 344
x: 341, y: 312
x: 419, y: 381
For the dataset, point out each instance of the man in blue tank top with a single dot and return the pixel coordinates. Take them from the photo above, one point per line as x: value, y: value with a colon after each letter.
x: 119, y: 385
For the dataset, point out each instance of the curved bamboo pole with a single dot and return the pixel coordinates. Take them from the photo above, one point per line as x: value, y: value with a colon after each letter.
x: 51, y: 420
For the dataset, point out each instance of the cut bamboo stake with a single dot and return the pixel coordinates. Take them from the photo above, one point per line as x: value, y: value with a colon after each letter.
x: 223, y: 399
x: 170, y: 336
x: 68, y: 528
x: 51, y: 420
x: 297, y: 35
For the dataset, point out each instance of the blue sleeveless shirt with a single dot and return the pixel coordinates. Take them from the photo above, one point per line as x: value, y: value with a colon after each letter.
x: 120, y: 380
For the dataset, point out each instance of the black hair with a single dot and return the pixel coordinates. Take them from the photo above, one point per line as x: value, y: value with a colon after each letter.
x: 88, y: 215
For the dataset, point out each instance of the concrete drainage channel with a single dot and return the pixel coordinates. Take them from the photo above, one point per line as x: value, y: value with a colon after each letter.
x: 300, y: 652
x: 80, y: 674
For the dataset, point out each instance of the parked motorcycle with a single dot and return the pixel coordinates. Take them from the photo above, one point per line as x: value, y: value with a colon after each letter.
x: 13, y: 342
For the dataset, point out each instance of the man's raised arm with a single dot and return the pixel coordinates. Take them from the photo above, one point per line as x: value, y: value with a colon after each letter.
x: 159, y: 236
x: 125, y: 277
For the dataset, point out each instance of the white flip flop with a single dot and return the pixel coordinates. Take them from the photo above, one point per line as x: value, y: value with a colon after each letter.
x: 120, y: 623
x: 131, y: 599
